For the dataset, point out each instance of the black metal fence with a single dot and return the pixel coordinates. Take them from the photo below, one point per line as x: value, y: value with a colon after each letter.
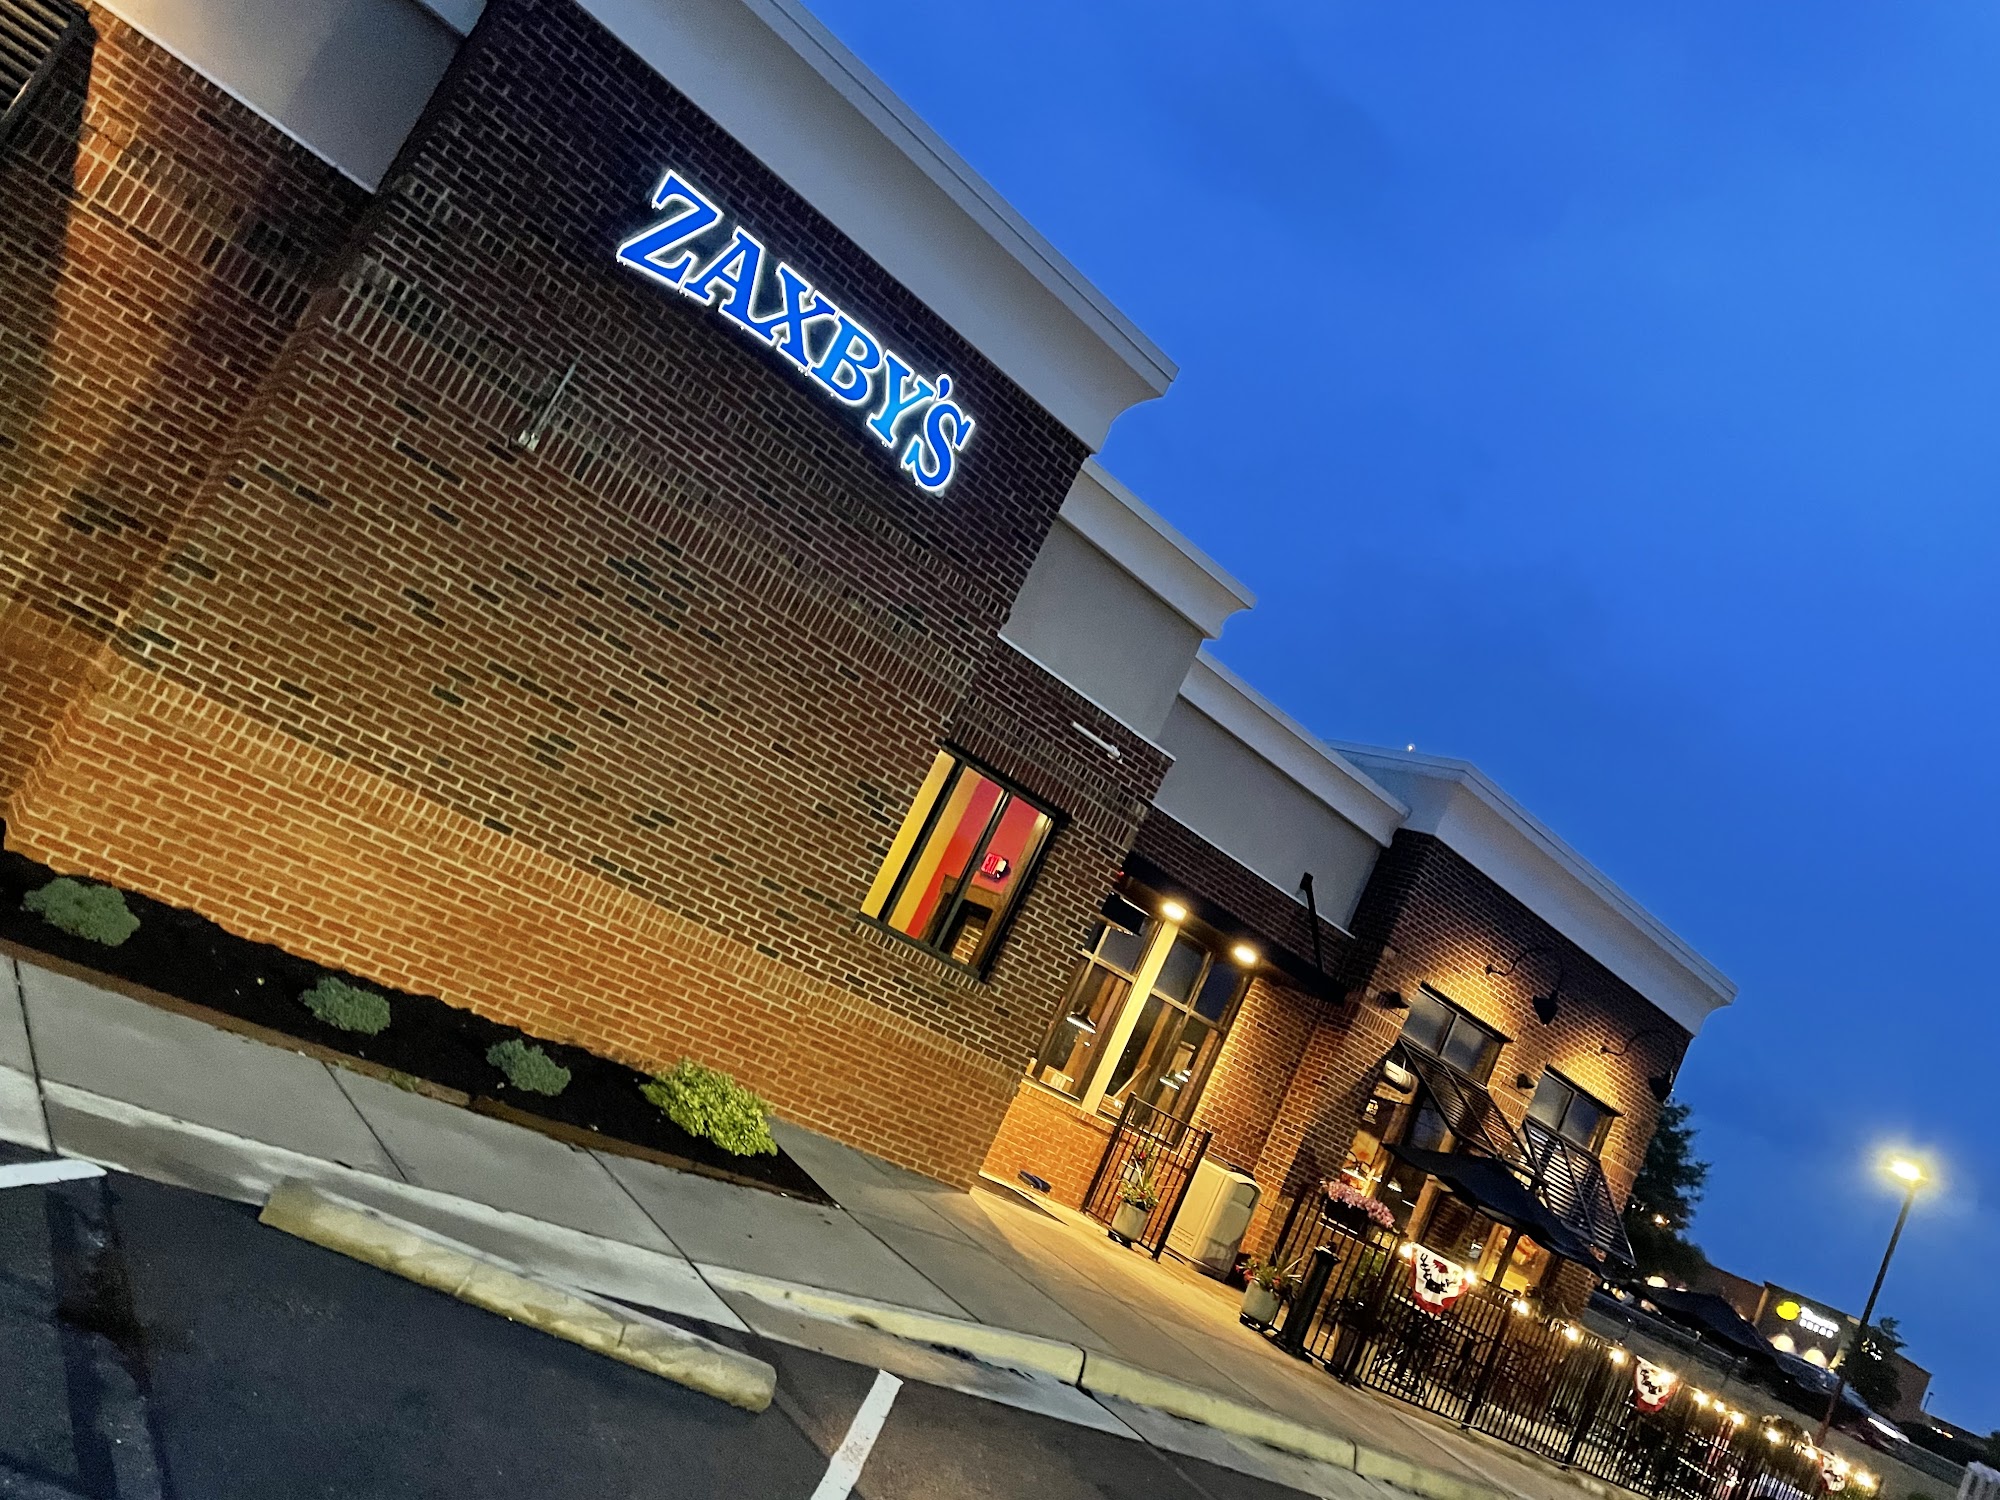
x: 1495, y: 1363
x: 1150, y: 1154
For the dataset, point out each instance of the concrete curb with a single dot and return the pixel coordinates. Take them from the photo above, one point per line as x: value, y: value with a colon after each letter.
x: 1105, y: 1376
x: 485, y: 1281
x: 1102, y: 1375
x: 1000, y: 1346
x: 1114, y: 1378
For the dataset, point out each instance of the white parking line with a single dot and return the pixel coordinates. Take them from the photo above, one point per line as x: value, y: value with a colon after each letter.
x: 28, y: 1173
x: 855, y: 1447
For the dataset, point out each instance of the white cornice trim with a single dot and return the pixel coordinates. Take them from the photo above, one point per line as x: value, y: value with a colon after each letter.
x: 1461, y: 805
x: 1142, y: 542
x: 1269, y: 732
x: 778, y: 81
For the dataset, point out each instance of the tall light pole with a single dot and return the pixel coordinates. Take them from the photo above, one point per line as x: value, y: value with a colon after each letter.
x: 1912, y: 1177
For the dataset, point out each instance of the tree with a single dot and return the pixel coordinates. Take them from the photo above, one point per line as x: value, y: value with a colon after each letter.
x: 1663, y: 1199
x: 1871, y: 1366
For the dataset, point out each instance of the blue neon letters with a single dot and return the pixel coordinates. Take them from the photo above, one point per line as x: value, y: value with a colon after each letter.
x: 850, y: 364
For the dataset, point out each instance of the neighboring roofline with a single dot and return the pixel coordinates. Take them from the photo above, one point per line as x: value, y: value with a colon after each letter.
x: 1269, y: 732
x: 1707, y: 989
x: 778, y: 81
x: 1141, y: 541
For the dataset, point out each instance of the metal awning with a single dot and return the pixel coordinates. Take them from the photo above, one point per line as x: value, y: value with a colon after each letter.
x: 1570, y: 1180
x: 1468, y: 1109
x: 1491, y: 1186
x: 1567, y: 1180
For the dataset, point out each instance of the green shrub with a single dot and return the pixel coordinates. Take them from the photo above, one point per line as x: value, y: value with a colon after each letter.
x: 96, y: 913
x: 527, y: 1067
x: 714, y: 1107
x: 347, y: 1006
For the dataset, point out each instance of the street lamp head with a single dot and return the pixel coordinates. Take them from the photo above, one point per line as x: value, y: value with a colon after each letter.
x: 1906, y: 1169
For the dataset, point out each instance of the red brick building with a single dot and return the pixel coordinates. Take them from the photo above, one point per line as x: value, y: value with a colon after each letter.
x: 585, y: 509
x: 1448, y: 935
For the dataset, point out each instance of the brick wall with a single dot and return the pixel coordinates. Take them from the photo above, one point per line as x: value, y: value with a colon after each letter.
x: 158, y: 243
x: 606, y: 739
x: 1438, y: 921
x: 1050, y: 1137
x: 1256, y: 1069
x: 1429, y: 917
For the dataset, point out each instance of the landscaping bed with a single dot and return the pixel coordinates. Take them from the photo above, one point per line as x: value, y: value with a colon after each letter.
x: 186, y: 957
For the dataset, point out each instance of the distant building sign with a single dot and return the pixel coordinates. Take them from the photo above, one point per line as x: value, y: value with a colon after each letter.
x: 911, y: 415
x: 1795, y: 1326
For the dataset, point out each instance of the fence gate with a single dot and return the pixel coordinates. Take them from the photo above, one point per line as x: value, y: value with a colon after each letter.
x: 1148, y: 1150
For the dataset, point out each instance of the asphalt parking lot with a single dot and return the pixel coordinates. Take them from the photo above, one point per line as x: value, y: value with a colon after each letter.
x: 161, y: 1343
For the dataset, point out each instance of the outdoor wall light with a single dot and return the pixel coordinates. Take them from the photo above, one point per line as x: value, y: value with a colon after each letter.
x: 1547, y: 1005
x: 1245, y: 955
x: 1523, y: 1082
x: 1391, y: 1000
x: 1173, y: 911
x: 1573, y: 1333
x: 1618, y: 1356
x: 1521, y: 1308
x: 1082, y: 1023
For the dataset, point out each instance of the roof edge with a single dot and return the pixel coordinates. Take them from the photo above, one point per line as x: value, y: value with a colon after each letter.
x: 1466, y: 776
x: 1274, y: 735
x: 1145, y: 544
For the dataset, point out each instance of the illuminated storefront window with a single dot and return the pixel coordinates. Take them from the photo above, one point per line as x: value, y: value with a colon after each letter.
x: 959, y: 863
x: 1144, y: 1019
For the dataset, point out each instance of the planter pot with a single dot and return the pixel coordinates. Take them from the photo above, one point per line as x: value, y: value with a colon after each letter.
x: 1129, y: 1223
x: 1260, y: 1305
x: 1355, y: 1221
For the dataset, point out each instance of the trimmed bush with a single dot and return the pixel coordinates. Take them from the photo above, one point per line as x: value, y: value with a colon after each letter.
x: 714, y: 1107
x: 527, y: 1067
x: 347, y: 1006
x: 96, y: 913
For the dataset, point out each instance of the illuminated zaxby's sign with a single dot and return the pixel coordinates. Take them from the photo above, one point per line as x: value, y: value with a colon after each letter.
x: 914, y: 417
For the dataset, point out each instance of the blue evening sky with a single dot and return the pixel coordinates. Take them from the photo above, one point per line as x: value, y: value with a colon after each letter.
x: 1607, y: 395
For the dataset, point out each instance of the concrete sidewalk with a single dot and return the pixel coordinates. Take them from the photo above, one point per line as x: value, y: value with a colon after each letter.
x: 95, y: 1074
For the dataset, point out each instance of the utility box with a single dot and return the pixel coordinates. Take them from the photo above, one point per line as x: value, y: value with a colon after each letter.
x: 1209, y: 1229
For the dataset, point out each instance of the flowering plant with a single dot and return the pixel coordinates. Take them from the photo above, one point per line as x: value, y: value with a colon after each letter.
x: 1339, y: 1195
x: 1139, y: 1193
x: 1271, y: 1276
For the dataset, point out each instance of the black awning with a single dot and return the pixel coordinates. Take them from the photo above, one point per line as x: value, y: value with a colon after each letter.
x: 1571, y: 1181
x: 1708, y: 1315
x: 1491, y: 1187
x: 1468, y: 1109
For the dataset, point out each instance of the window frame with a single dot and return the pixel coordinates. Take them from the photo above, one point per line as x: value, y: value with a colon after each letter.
x: 1606, y: 1115
x: 1190, y: 1092
x: 1501, y: 1041
x: 1091, y: 961
x: 1011, y: 791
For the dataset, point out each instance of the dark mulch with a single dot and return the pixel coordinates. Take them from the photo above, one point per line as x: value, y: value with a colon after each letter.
x: 183, y: 954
